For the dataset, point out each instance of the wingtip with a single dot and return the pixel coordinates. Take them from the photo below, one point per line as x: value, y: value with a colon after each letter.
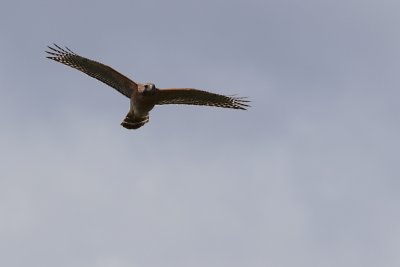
x: 57, y: 48
x: 242, y: 102
x: 243, y: 107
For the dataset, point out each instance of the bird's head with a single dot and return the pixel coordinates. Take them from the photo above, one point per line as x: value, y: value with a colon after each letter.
x: 149, y: 89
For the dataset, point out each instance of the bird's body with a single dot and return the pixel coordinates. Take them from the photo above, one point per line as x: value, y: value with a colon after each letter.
x: 143, y: 101
x: 143, y: 97
x: 141, y: 104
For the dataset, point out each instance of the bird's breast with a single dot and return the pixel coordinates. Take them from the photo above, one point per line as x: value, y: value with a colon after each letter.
x: 141, y: 105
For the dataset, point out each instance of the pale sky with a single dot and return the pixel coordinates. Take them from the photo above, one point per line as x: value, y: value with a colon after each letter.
x: 308, y: 176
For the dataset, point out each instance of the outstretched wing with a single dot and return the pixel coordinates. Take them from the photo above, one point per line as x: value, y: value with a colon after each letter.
x: 191, y: 96
x: 94, y: 69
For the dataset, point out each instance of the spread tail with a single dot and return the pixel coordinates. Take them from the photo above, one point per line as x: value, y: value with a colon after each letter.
x: 133, y: 122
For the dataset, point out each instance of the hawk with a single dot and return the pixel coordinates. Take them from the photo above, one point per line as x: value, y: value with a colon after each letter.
x: 143, y: 97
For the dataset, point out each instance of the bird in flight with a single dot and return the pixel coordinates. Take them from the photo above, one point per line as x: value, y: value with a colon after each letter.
x: 143, y: 97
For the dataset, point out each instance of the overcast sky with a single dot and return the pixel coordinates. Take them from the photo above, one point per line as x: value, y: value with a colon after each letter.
x: 308, y: 176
